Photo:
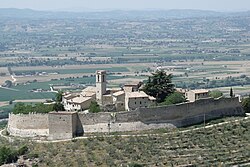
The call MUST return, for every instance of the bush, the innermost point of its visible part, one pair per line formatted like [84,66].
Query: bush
[94,107]
[3,124]
[21,108]
[246,104]
[135,165]
[33,155]
[58,107]
[174,98]
[215,94]
[22,150]
[8,155]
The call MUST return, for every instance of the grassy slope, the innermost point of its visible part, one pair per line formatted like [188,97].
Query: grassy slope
[226,144]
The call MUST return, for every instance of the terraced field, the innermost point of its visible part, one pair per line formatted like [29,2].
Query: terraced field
[223,145]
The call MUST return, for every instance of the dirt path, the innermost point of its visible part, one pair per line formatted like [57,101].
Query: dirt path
[31,101]
[4,103]
[13,78]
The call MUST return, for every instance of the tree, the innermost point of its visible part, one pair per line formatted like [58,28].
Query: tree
[231,92]
[246,104]
[7,83]
[10,155]
[159,85]
[215,94]
[7,155]
[58,107]
[94,107]
[21,108]
[59,96]
[175,98]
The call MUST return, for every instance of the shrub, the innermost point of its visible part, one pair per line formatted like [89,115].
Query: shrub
[174,98]
[94,107]
[215,94]
[246,104]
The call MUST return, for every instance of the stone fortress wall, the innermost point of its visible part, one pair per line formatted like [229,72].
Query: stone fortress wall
[161,117]
[28,125]
[61,125]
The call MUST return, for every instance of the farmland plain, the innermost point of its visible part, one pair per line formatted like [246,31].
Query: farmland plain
[202,52]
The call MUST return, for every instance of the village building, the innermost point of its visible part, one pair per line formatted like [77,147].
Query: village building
[134,100]
[116,99]
[194,95]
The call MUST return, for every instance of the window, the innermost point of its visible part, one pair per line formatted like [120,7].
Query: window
[135,102]
[103,78]
[140,102]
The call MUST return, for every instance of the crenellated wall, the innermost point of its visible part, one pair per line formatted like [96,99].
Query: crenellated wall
[67,125]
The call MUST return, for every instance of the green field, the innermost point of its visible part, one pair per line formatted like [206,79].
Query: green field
[23,91]
[7,95]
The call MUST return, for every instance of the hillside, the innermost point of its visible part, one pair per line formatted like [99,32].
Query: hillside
[225,145]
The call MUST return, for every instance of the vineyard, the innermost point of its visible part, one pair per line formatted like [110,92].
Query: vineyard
[222,145]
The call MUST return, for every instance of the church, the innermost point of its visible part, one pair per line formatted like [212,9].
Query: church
[127,98]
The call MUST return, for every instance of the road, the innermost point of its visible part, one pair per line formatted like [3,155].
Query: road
[13,78]
[1,120]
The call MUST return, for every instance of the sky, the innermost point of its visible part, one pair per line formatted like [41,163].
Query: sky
[82,5]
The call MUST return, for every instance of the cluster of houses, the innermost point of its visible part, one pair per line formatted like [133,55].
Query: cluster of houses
[128,98]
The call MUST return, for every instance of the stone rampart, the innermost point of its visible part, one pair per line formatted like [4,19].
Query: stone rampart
[94,118]
[60,125]
[193,112]
[164,116]
[29,125]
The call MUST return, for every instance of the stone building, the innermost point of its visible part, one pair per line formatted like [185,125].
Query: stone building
[116,99]
[78,103]
[134,100]
[194,95]
[100,86]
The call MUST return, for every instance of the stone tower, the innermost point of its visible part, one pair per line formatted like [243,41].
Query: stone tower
[101,77]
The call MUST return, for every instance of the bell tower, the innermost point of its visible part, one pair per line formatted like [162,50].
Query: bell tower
[101,77]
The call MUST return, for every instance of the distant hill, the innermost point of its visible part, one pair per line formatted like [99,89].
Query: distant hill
[115,14]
